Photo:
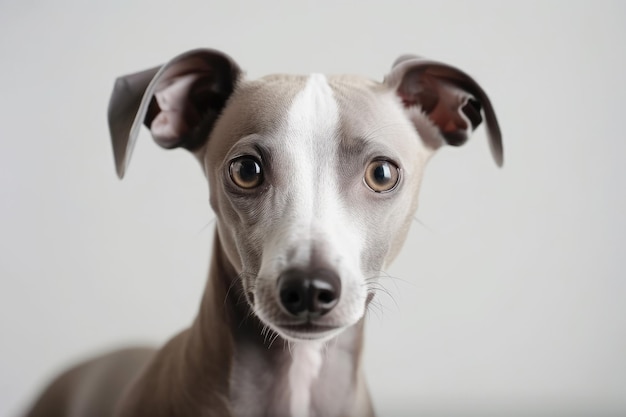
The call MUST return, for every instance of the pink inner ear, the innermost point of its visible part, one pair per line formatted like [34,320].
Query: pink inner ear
[168,127]
[441,102]
[177,114]
[447,113]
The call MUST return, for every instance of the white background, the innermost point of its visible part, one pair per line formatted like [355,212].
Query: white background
[511,295]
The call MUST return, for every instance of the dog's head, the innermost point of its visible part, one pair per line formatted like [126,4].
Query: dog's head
[314,179]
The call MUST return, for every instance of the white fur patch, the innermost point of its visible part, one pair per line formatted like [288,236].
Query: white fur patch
[305,368]
[312,125]
[314,110]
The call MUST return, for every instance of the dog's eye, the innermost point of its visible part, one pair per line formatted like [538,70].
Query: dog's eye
[381,175]
[246,172]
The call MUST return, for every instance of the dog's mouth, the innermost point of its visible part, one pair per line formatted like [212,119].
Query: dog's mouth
[307,330]
[299,329]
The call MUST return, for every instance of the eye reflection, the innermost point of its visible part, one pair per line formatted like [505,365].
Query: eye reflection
[381,175]
[246,172]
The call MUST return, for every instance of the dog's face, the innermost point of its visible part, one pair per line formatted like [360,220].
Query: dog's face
[313,173]
[313,179]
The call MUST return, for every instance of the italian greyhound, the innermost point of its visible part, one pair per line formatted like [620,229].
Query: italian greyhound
[314,182]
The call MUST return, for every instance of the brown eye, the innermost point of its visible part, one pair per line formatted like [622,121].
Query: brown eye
[381,176]
[246,172]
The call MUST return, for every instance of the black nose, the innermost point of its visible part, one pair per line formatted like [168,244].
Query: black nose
[309,293]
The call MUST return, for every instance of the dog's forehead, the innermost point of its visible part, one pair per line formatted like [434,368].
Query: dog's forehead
[263,107]
[267,101]
[368,109]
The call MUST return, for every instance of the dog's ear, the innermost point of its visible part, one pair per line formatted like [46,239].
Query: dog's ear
[179,102]
[444,103]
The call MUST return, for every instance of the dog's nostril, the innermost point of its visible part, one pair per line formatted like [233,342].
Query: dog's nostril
[326,296]
[290,297]
[324,293]
[313,294]
[293,294]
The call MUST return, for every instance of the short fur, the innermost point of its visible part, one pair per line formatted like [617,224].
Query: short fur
[314,137]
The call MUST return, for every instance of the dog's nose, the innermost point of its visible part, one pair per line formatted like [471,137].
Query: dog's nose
[309,293]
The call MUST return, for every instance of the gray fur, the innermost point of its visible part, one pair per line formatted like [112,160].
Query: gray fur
[235,359]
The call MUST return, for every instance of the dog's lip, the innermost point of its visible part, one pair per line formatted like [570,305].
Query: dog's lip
[307,326]
[307,329]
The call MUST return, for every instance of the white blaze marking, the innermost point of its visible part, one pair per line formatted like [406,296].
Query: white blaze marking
[305,368]
[310,147]
[312,124]
[314,109]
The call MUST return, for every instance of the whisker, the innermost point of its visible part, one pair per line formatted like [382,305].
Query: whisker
[266,333]
[206,226]
[386,275]
[376,307]
[372,283]
[421,223]
[273,339]
[389,294]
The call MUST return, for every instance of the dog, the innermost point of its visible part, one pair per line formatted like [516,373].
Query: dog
[314,181]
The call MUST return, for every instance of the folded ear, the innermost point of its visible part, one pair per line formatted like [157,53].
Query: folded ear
[443,102]
[179,102]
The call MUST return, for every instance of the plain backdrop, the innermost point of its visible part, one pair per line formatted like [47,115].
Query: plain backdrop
[509,297]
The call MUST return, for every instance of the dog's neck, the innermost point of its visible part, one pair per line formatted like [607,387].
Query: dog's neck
[227,363]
